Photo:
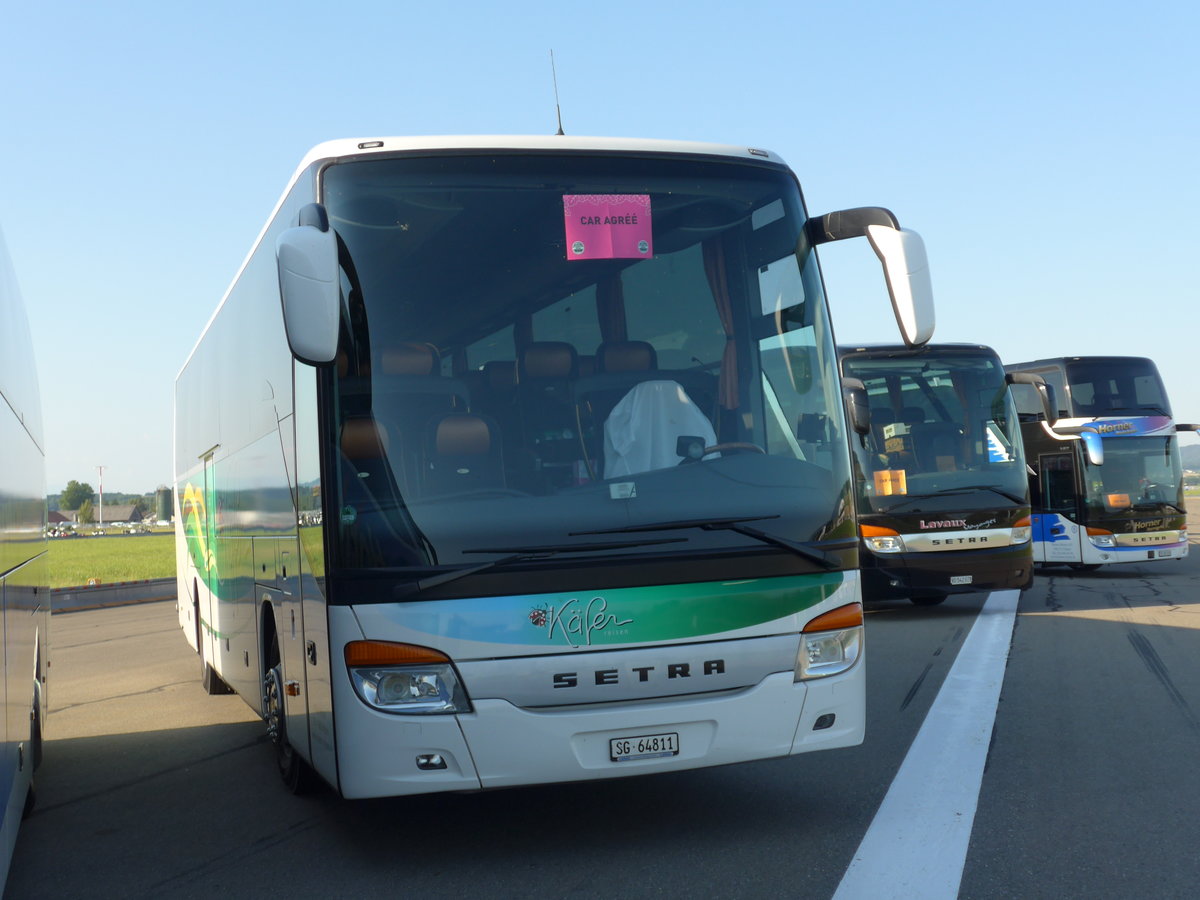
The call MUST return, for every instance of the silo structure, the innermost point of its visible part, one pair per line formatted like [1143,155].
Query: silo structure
[162,504]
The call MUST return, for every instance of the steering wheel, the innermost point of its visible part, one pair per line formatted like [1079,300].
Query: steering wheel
[741,446]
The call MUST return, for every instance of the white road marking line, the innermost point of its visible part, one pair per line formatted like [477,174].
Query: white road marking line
[917,843]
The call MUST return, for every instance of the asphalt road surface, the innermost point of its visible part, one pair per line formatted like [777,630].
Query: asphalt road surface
[1085,786]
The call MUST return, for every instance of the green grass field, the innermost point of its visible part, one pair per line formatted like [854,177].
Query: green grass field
[110,559]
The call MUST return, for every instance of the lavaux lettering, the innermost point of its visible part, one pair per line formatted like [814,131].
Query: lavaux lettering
[943,523]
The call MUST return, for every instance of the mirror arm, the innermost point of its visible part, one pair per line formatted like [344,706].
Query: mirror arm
[844,224]
[314,214]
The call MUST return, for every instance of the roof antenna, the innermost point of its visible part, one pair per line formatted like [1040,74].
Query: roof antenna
[557,109]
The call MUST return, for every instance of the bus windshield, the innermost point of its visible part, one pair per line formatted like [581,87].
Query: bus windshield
[539,346]
[1140,476]
[943,425]
[1107,386]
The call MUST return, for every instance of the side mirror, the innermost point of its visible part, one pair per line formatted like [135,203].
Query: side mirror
[1183,426]
[906,270]
[1045,392]
[902,253]
[308,287]
[858,406]
[1093,447]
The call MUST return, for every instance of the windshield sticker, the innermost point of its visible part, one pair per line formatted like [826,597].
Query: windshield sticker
[998,448]
[608,226]
[889,482]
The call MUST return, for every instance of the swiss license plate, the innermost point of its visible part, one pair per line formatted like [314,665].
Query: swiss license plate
[961,579]
[643,746]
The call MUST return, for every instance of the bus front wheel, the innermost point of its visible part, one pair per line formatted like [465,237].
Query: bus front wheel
[297,776]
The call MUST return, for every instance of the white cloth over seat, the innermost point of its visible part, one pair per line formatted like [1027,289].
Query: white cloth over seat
[642,431]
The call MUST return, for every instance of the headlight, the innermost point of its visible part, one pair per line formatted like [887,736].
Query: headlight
[1101,538]
[403,678]
[831,643]
[881,540]
[1022,531]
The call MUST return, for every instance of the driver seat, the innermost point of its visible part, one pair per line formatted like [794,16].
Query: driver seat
[462,453]
[642,432]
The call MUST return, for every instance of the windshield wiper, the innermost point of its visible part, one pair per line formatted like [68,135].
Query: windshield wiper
[1154,505]
[517,554]
[945,492]
[809,552]
[1003,493]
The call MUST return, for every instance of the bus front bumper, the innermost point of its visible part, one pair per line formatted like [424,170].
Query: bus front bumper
[900,576]
[502,745]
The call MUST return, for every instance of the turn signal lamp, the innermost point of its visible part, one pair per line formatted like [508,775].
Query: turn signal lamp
[387,653]
[405,678]
[831,643]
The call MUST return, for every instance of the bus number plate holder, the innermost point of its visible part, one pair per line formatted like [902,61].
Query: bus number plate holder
[961,579]
[643,746]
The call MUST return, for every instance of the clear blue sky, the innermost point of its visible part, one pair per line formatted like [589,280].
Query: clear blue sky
[1047,152]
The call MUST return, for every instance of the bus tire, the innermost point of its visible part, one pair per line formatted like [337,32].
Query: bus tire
[35,727]
[927,599]
[35,749]
[298,777]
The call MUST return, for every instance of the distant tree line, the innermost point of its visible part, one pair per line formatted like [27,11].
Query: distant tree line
[77,493]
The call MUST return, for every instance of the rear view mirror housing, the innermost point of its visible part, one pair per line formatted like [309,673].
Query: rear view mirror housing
[906,271]
[858,405]
[902,254]
[1045,392]
[1093,447]
[307,258]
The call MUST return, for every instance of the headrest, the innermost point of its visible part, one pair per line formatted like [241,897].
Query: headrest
[626,356]
[549,359]
[500,374]
[456,435]
[912,415]
[362,438]
[410,358]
